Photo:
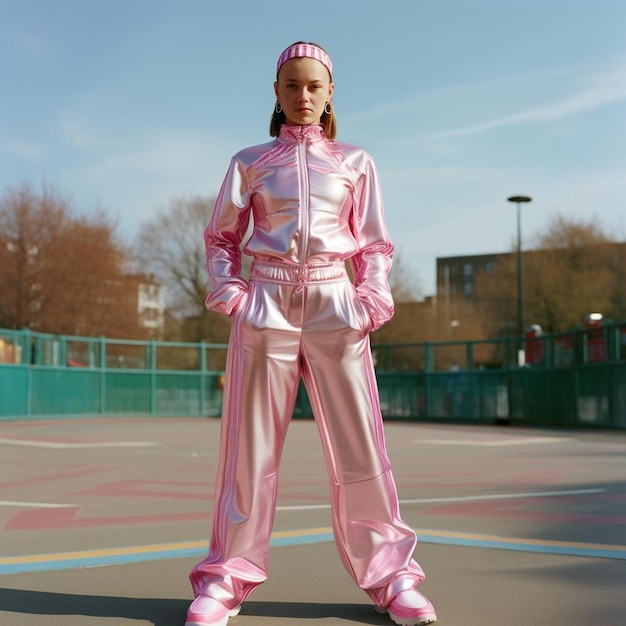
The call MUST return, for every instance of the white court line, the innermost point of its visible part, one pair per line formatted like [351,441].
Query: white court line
[309,507]
[494,444]
[497,496]
[59,445]
[506,496]
[36,505]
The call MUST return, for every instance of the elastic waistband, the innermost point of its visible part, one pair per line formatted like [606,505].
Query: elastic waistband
[313,273]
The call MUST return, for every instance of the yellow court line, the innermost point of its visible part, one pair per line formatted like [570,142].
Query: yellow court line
[155,547]
[198,545]
[518,540]
[90,554]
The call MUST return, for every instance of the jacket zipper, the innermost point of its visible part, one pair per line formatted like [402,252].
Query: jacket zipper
[304,200]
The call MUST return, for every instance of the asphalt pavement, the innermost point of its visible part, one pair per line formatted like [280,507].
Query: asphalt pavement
[102,519]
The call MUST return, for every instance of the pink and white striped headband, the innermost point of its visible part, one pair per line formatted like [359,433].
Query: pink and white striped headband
[304,50]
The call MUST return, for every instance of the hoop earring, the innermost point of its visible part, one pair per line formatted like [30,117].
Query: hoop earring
[328,108]
[278,108]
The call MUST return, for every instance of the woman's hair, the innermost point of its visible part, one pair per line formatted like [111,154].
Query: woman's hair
[328,120]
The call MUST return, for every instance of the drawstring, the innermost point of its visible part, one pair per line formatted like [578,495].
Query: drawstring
[301,277]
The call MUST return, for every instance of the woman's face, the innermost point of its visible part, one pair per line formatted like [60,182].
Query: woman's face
[303,88]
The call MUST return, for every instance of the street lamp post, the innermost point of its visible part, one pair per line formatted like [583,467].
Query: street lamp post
[518,200]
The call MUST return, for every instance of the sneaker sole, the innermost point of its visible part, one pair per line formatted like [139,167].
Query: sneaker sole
[403,621]
[230,613]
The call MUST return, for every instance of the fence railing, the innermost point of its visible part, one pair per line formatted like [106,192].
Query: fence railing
[576,378]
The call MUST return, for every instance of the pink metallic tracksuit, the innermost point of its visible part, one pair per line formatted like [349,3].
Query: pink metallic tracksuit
[315,203]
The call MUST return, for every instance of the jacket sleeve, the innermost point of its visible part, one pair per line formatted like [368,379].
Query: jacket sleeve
[222,239]
[372,262]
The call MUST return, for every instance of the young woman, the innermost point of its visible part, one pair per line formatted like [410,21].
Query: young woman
[315,203]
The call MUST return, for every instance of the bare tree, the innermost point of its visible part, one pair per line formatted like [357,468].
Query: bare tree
[172,248]
[404,284]
[571,274]
[58,272]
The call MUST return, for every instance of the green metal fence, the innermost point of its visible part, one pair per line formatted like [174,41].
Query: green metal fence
[572,379]
[46,375]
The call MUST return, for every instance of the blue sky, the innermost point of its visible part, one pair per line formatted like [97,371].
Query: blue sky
[126,104]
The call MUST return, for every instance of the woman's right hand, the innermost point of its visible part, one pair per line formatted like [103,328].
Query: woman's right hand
[226,297]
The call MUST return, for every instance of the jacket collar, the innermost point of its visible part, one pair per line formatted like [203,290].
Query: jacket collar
[310,133]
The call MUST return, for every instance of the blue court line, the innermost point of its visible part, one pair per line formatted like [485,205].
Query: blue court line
[599,551]
[198,549]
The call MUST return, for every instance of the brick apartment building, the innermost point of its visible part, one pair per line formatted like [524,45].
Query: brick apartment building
[458,276]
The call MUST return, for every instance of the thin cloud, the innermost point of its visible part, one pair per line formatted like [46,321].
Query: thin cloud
[168,155]
[394,108]
[24,42]
[454,92]
[605,88]
[437,175]
[77,132]
[28,151]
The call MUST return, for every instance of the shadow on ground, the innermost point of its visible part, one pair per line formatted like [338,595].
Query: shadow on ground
[171,612]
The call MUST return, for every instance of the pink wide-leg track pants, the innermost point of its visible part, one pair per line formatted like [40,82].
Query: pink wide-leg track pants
[304,321]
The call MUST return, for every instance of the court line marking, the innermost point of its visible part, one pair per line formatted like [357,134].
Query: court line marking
[496,496]
[59,445]
[36,505]
[312,507]
[198,549]
[495,443]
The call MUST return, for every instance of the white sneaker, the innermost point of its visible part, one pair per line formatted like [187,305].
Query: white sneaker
[410,608]
[207,611]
